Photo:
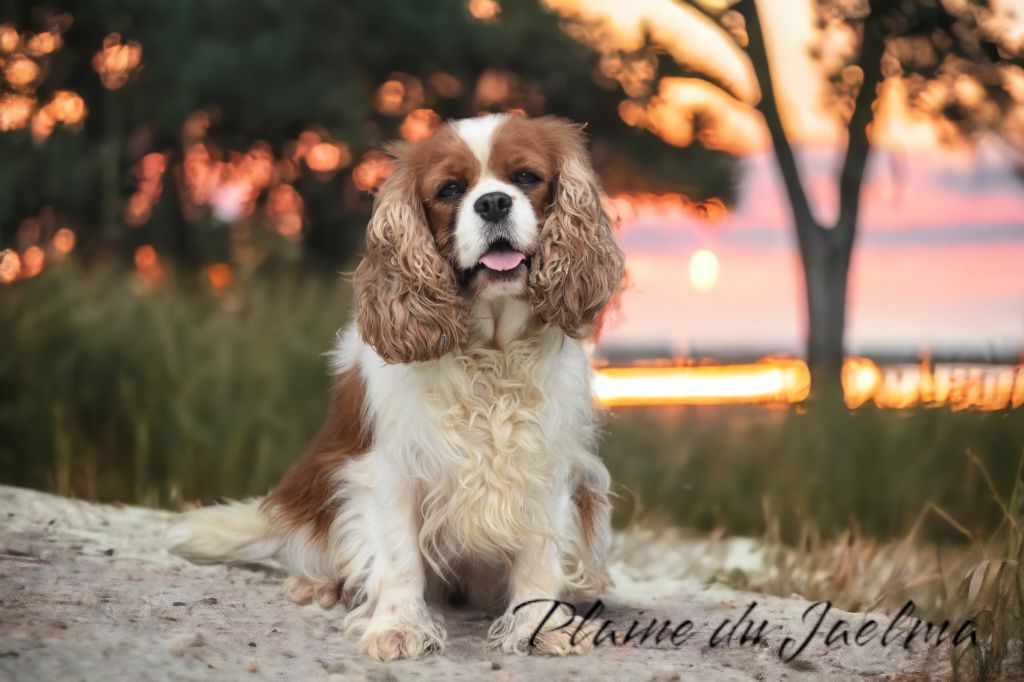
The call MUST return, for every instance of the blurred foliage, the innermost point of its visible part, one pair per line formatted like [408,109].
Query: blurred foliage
[267,71]
[111,389]
[114,390]
[744,468]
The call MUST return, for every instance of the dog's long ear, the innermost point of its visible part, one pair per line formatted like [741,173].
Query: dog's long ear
[578,266]
[407,305]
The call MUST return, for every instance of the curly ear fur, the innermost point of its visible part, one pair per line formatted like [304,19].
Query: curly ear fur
[407,305]
[578,266]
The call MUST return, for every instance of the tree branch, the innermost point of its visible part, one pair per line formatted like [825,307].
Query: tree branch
[858,145]
[758,54]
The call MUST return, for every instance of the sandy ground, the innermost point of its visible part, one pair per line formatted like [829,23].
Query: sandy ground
[88,593]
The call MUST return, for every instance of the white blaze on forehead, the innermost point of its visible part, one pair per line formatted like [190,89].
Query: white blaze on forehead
[477,134]
[473,236]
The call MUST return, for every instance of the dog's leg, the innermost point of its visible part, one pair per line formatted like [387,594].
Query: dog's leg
[589,535]
[401,625]
[537,575]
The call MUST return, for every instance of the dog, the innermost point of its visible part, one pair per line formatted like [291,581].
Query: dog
[458,457]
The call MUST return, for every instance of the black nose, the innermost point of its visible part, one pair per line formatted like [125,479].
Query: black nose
[493,206]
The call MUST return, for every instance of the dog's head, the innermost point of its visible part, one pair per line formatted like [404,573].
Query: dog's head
[486,207]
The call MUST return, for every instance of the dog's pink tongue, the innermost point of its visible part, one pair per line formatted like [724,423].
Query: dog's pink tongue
[501,259]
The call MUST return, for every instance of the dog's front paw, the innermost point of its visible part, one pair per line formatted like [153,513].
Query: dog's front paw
[402,632]
[517,633]
[575,638]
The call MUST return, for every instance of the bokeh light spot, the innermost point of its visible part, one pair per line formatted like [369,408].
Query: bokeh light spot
[10,266]
[20,71]
[703,270]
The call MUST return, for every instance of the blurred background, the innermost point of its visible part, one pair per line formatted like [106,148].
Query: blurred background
[821,203]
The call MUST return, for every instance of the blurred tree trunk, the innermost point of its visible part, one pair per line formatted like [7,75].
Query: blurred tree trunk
[825,250]
[826,269]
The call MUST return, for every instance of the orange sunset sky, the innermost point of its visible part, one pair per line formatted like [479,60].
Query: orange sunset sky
[940,257]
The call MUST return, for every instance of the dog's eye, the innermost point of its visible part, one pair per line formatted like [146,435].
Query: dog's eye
[525,178]
[450,190]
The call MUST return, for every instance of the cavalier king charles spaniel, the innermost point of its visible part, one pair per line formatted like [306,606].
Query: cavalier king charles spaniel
[458,459]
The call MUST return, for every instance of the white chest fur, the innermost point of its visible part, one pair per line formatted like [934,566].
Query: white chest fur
[487,471]
[486,433]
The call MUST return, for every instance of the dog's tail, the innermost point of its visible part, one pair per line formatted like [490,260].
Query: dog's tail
[237,532]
